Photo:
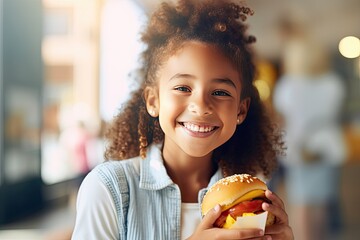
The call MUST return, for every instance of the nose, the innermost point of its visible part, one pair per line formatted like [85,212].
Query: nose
[200,105]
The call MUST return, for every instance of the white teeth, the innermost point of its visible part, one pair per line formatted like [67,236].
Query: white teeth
[197,128]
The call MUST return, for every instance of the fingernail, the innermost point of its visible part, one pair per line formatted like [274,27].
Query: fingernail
[261,233]
[217,208]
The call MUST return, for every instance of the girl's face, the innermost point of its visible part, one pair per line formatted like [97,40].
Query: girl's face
[197,100]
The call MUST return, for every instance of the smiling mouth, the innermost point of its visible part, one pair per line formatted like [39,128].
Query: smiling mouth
[198,128]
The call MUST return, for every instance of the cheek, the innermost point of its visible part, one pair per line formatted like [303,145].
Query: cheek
[228,110]
[229,116]
[170,105]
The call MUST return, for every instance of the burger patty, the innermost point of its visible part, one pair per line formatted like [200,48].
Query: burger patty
[251,206]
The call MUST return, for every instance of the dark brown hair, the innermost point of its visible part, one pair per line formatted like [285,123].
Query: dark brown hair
[254,146]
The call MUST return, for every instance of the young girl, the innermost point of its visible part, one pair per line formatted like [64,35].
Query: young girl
[196,118]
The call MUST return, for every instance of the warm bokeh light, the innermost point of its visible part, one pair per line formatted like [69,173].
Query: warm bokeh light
[263,88]
[349,47]
[265,79]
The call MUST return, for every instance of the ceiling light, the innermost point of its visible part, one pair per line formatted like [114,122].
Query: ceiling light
[349,47]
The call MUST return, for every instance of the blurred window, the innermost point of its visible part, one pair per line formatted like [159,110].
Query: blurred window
[70,143]
[120,49]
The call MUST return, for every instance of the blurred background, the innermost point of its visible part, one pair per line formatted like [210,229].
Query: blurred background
[67,65]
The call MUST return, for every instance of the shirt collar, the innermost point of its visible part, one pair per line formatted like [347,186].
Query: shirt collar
[153,175]
[216,177]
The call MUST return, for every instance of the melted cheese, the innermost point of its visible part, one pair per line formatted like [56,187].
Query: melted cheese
[229,222]
[248,214]
[248,196]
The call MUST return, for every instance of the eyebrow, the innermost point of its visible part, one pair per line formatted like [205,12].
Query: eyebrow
[225,80]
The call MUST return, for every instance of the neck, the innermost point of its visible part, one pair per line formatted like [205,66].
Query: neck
[190,173]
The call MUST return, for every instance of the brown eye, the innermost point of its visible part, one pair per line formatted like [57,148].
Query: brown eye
[221,93]
[182,89]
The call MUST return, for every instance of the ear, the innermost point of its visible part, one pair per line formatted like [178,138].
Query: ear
[152,101]
[243,110]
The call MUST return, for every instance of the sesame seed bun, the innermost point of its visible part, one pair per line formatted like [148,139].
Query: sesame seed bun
[227,190]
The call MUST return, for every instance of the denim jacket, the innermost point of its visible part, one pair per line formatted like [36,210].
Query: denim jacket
[147,201]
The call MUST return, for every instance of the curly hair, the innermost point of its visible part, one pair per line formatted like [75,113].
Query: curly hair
[256,142]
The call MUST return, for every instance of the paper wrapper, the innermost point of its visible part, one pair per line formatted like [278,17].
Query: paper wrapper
[257,221]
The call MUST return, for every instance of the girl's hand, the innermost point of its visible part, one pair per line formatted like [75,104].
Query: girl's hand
[205,230]
[280,229]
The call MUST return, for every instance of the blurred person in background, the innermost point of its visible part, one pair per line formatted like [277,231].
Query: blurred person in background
[309,98]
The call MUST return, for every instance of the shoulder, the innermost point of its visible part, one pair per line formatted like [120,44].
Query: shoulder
[92,187]
[103,199]
[95,209]
[115,169]
[107,180]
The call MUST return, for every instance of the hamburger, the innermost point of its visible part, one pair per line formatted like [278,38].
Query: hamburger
[240,197]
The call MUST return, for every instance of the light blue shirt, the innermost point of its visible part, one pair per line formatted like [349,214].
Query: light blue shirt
[153,199]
